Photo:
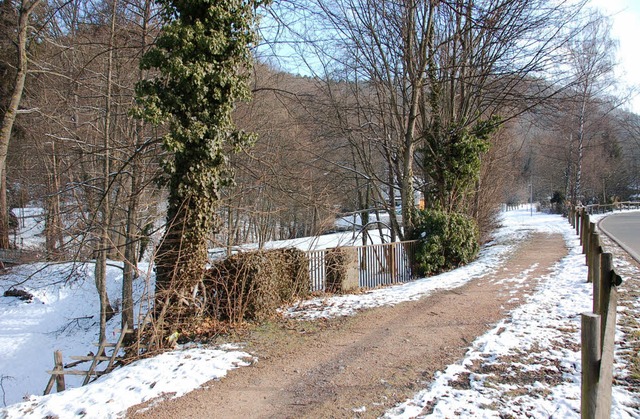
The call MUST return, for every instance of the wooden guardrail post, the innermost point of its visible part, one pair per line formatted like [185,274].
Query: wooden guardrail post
[594,266]
[585,233]
[581,227]
[570,216]
[606,266]
[588,244]
[605,372]
[608,281]
[598,337]
[591,353]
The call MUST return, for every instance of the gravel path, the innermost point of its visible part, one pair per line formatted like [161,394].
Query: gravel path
[361,366]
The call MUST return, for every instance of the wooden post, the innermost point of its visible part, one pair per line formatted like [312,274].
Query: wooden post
[569,214]
[584,233]
[578,221]
[589,243]
[606,274]
[57,375]
[583,215]
[392,263]
[57,360]
[590,335]
[594,270]
[605,375]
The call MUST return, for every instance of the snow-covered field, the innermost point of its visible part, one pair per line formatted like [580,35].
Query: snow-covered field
[542,333]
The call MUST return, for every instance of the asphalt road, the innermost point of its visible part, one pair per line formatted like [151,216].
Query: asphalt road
[625,230]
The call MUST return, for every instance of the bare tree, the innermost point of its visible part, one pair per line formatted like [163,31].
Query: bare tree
[430,83]
[22,10]
[285,188]
[591,63]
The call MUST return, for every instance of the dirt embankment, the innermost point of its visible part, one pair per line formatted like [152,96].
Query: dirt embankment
[361,366]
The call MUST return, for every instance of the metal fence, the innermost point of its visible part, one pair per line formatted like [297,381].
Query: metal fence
[317,270]
[378,264]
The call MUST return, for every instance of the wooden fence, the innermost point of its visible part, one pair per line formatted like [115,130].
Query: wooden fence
[60,370]
[598,326]
[374,265]
[604,208]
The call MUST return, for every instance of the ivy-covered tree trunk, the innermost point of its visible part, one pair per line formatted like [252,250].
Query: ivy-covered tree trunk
[201,57]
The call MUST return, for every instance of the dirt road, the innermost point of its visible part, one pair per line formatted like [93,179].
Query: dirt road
[362,365]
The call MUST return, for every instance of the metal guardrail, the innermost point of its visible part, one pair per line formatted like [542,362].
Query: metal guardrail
[377,264]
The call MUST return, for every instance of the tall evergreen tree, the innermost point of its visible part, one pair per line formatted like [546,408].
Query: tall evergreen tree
[201,58]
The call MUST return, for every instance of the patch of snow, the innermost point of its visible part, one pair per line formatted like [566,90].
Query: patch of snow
[170,374]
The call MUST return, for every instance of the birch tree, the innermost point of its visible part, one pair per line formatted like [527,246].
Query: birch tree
[591,63]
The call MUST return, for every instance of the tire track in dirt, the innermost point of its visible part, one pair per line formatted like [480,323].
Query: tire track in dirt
[361,366]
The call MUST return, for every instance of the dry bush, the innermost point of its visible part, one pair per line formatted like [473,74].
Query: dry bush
[253,285]
[499,175]
[246,286]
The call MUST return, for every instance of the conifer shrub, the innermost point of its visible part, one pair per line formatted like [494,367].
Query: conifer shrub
[445,241]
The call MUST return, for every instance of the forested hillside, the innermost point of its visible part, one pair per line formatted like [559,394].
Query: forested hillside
[357,106]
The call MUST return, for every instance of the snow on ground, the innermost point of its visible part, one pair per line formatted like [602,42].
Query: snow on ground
[31,222]
[61,316]
[344,238]
[542,334]
[510,371]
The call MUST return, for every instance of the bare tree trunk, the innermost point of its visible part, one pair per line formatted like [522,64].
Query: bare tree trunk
[568,190]
[4,218]
[395,226]
[578,185]
[6,125]
[54,241]
[131,249]
[130,257]
[106,311]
